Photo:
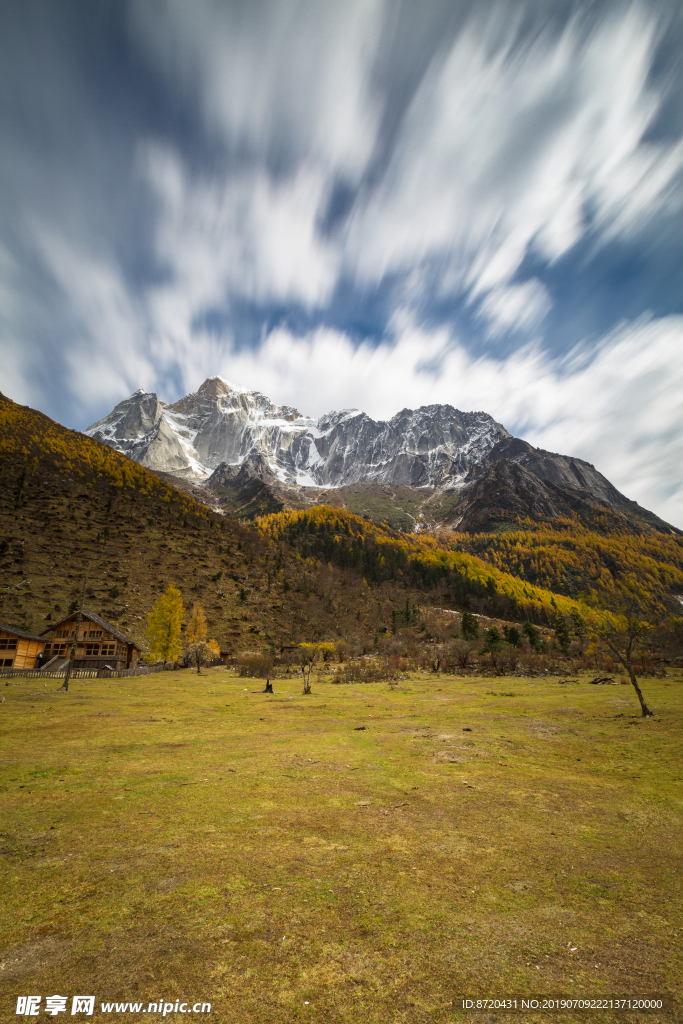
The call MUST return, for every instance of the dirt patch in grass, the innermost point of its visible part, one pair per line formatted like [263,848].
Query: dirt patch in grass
[32,957]
[296,868]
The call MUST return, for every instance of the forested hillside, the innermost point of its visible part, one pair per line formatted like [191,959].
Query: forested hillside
[70,505]
[597,565]
[422,562]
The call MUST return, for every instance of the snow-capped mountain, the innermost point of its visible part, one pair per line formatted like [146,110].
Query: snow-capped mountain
[222,424]
[245,455]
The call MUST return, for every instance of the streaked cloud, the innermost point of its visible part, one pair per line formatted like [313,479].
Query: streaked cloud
[515,307]
[363,204]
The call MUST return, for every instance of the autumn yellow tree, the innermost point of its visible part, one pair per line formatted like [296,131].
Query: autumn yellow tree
[198,649]
[165,624]
[196,628]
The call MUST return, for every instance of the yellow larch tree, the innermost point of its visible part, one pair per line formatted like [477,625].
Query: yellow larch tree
[196,628]
[199,650]
[165,625]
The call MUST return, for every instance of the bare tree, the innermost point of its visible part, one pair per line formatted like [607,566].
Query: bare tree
[623,636]
[307,658]
[72,655]
[461,651]
[342,650]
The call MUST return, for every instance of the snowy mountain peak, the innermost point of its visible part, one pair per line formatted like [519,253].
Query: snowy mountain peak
[222,423]
[219,385]
[239,388]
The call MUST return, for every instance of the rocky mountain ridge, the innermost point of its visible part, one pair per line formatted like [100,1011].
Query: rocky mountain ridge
[250,456]
[434,446]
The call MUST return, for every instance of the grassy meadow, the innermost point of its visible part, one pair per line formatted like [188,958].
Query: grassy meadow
[361,854]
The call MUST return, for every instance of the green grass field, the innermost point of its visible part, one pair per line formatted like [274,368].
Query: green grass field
[361,854]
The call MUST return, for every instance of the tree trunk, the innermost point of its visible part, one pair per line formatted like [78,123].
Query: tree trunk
[643,706]
[64,688]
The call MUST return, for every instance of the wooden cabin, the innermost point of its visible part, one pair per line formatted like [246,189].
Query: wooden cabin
[19,649]
[98,645]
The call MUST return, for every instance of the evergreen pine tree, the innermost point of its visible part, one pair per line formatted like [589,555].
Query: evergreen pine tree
[512,636]
[534,635]
[578,625]
[493,641]
[469,626]
[562,634]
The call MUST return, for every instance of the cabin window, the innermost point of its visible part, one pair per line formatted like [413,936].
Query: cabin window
[94,634]
[63,632]
[91,650]
[108,649]
[6,662]
[8,643]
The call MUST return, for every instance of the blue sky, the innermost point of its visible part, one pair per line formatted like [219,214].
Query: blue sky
[364,203]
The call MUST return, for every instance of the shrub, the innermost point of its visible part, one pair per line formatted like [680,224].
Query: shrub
[359,672]
[532,664]
[255,666]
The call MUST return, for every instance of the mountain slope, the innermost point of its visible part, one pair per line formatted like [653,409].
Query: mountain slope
[69,502]
[517,481]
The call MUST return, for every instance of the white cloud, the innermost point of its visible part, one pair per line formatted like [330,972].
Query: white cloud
[249,236]
[106,355]
[277,74]
[507,151]
[516,307]
[15,357]
[504,151]
[621,409]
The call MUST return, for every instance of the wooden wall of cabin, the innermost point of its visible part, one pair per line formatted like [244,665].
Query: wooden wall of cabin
[93,642]
[18,651]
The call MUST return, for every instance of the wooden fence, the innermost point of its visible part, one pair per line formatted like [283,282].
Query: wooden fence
[79,673]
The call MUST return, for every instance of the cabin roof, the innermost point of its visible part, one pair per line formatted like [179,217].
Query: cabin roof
[99,621]
[20,632]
